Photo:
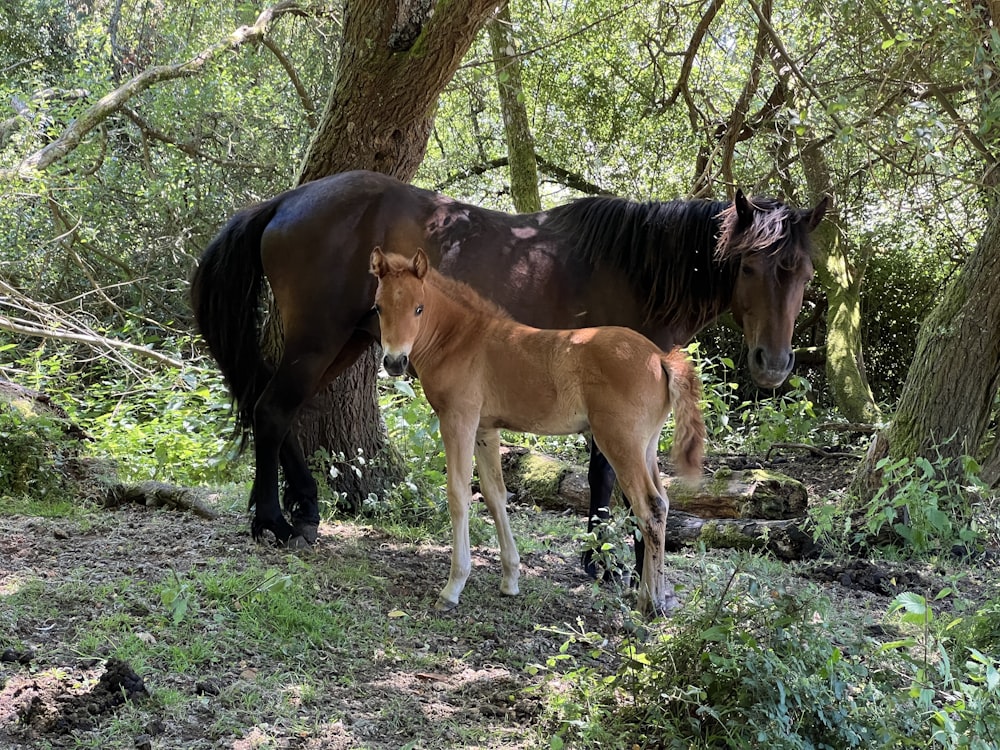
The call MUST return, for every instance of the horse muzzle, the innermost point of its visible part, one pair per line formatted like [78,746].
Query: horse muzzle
[770,369]
[395,364]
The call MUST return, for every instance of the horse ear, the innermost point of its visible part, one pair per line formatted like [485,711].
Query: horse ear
[378,262]
[744,210]
[420,263]
[814,217]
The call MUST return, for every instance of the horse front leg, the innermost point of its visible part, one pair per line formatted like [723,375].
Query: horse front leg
[495,493]
[601,478]
[459,436]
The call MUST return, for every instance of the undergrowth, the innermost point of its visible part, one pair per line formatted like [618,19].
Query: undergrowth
[748,662]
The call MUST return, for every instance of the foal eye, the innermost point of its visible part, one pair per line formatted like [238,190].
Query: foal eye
[420,309]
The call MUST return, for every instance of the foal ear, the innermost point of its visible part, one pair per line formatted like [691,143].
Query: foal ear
[420,263]
[814,217]
[377,267]
[744,210]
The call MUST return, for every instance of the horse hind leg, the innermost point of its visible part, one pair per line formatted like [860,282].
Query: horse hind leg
[495,493]
[301,498]
[294,381]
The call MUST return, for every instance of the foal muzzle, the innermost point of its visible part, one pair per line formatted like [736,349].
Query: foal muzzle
[395,364]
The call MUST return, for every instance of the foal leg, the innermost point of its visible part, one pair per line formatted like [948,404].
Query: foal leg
[629,457]
[459,436]
[491,481]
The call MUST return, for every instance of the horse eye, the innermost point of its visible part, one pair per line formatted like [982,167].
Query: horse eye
[746,270]
[420,309]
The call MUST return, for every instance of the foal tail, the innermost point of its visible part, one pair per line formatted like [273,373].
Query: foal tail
[689,426]
[225,297]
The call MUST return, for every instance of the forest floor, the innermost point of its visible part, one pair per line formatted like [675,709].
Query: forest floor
[141,628]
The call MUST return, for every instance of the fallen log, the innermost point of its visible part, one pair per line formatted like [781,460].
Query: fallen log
[755,493]
[154,494]
[786,539]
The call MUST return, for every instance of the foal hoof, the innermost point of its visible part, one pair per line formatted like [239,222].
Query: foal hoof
[443,605]
[308,531]
[666,608]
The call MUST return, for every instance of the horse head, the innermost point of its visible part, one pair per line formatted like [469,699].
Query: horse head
[771,242]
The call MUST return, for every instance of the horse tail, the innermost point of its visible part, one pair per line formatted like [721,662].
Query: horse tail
[684,388]
[225,297]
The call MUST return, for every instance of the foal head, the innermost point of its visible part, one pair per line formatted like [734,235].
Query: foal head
[399,302]
[772,244]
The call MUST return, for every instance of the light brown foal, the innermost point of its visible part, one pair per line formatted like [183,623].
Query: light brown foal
[483,372]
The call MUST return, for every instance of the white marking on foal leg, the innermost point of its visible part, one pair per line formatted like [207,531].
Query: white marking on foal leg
[495,494]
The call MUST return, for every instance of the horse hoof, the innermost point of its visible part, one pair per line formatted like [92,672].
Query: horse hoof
[297,542]
[443,605]
[308,531]
[589,565]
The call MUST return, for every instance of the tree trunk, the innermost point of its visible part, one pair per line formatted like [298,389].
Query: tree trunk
[841,280]
[395,59]
[752,494]
[520,144]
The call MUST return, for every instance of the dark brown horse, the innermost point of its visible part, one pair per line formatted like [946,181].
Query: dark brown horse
[663,269]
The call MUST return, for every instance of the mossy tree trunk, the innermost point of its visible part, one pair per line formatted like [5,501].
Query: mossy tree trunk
[520,143]
[395,60]
[841,281]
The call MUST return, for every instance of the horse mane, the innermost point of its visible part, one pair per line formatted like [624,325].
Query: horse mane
[681,256]
[665,251]
[776,230]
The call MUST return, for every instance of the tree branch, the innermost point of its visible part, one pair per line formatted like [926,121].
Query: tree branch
[307,103]
[115,100]
[692,49]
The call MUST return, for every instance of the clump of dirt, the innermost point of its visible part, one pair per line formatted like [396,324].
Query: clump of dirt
[875,577]
[60,702]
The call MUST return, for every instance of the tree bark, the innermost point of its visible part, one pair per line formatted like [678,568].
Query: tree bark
[520,143]
[395,59]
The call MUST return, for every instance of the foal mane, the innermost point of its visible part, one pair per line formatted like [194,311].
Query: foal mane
[455,290]
[465,295]
[681,256]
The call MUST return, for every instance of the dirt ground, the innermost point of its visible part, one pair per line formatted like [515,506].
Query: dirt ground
[50,697]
